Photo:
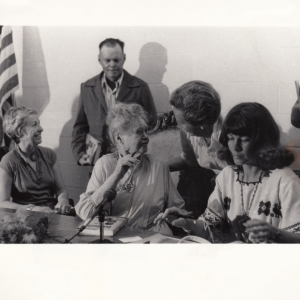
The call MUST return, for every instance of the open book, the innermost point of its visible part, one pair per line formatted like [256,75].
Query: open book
[111,226]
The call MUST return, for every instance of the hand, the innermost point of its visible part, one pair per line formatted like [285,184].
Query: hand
[63,206]
[181,222]
[125,162]
[44,209]
[260,231]
[82,160]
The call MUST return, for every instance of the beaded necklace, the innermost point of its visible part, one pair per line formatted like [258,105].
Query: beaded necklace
[38,177]
[253,196]
[245,216]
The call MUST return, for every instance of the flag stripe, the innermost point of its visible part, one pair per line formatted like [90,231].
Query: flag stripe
[7,74]
[7,51]
[8,87]
[7,63]
[9,81]
[6,40]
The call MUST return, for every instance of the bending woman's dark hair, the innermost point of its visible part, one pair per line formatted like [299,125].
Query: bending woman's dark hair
[253,120]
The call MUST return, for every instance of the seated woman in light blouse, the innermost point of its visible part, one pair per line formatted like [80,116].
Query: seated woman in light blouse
[143,182]
[29,174]
[256,198]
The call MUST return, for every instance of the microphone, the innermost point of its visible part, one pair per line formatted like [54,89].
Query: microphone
[108,196]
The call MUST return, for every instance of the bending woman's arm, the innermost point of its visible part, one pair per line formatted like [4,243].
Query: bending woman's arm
[177,164]
[193,227]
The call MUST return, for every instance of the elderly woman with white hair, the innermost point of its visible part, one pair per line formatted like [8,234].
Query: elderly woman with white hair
[29,174]
[143,182]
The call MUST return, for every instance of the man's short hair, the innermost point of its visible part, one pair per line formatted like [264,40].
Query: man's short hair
[199,102]
[111,43]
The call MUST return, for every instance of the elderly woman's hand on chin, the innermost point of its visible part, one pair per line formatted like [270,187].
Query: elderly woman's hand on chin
[124,163]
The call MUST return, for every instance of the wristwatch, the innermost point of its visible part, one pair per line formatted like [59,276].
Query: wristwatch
[30,207]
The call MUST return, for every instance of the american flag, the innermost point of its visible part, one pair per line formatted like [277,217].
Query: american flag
[9,81]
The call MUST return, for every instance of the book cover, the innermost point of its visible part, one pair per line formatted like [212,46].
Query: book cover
[111,226]
[93,149]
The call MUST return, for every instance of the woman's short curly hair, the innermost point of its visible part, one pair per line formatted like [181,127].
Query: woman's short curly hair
[253,120]
[199,102]
[125,118]
[14,121]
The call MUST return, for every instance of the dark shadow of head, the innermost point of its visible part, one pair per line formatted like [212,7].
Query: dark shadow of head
[153,60]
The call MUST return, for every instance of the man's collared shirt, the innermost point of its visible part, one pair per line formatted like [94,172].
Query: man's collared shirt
[109,94]
[196,151]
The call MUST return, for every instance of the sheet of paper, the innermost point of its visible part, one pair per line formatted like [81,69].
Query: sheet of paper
[158,239]
[130,239]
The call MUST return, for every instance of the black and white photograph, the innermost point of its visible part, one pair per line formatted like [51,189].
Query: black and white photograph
[132,124]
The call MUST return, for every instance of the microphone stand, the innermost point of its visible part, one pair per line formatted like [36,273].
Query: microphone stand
[101,216]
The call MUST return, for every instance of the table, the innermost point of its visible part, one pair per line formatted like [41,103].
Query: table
[64,227]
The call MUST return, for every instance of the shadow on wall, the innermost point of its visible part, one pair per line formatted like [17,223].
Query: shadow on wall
[153,60]
[75,177]
[36,92]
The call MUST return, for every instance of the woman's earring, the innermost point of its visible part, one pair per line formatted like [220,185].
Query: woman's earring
[202,127]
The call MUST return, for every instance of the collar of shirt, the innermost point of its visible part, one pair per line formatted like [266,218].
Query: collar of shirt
[106,87]
[215,145]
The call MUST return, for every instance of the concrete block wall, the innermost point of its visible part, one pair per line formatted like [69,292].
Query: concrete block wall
[243,64]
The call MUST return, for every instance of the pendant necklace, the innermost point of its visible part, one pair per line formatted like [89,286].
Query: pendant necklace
[33,156]
[38,176]
[128,184]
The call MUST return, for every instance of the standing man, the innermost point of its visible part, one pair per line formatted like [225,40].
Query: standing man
[99,93]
